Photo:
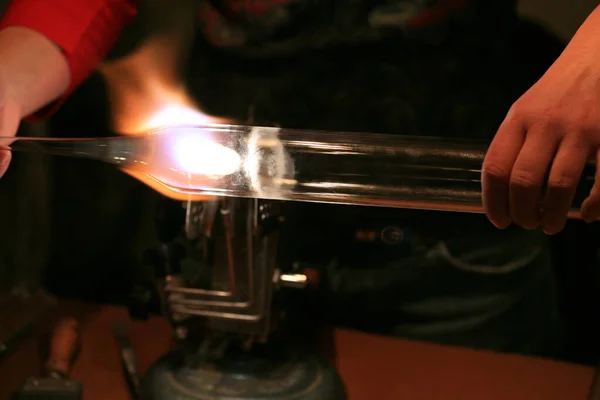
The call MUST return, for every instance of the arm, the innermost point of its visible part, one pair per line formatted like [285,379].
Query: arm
[48,47]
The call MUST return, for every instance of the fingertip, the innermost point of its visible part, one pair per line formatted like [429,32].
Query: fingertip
[5,157]
[553,229]
[556,213]
[495,176]
[590,211]
[500,223]
[495,200]
[498,215]
[589,214]
[590,217]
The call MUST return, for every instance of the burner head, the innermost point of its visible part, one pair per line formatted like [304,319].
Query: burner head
[266,372]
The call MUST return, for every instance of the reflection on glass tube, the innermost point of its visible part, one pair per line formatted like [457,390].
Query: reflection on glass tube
[283,164]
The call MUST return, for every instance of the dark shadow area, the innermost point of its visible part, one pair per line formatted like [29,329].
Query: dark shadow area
[102,216]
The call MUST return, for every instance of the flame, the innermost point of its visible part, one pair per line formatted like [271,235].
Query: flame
[201,156]
[145,92]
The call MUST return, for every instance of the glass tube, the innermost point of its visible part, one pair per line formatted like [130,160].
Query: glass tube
[284,164]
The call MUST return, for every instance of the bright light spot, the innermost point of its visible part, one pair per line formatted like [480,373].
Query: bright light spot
[173,115]
[194,153]
[198,155]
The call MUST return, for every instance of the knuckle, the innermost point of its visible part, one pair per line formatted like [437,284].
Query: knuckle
[548,119]
[555,123]
[559,124]
[524,180]
[562,183]
[594,194]
[589,131]
[551,125]
[519,111]
[496,170]
[576,125]
[587,112]
[586,125]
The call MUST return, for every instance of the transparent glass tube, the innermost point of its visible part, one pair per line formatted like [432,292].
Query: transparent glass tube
[284,164]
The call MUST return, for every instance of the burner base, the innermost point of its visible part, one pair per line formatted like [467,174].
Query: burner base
[266,373]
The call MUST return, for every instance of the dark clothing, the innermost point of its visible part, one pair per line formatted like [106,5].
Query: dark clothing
[452,278]
[274,28]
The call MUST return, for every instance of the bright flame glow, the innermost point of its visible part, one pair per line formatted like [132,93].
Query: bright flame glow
[199,155]
[146,93]
[173,114]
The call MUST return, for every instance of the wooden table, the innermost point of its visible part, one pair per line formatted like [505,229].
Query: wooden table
[372,367]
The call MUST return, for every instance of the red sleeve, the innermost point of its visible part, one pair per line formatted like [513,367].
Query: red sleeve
[85,30]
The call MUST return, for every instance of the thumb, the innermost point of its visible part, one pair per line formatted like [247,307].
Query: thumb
[5,157]
[10,117]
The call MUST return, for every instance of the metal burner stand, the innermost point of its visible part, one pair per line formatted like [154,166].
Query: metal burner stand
[221,289]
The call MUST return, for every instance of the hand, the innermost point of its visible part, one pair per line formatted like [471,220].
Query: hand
[554,128]
[10,117]
[33,72]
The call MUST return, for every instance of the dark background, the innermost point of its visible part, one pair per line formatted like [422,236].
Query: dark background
[79,228]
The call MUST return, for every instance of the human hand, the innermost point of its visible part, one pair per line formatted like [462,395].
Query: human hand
[10,118]
[547,137]
[33,73]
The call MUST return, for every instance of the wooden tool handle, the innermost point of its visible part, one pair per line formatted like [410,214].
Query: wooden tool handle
[64,345]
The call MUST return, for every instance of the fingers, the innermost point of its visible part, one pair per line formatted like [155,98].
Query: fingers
[528,177]
[590,209]
[5,157]
[497,168]
[514,173]
[564,177]
[10,117]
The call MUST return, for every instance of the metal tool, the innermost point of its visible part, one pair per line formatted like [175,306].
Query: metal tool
[57,385]
[284,164]
[121,332]
[228,309]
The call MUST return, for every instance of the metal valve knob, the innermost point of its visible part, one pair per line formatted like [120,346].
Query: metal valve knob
[307,279]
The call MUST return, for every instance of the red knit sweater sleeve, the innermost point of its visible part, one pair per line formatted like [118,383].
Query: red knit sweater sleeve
[85,30]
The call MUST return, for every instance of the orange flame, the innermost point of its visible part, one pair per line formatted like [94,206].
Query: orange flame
[146,92]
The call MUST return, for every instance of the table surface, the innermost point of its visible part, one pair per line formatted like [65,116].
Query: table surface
[371,366]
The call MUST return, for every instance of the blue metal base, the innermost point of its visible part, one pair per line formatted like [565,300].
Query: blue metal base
[265,373]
